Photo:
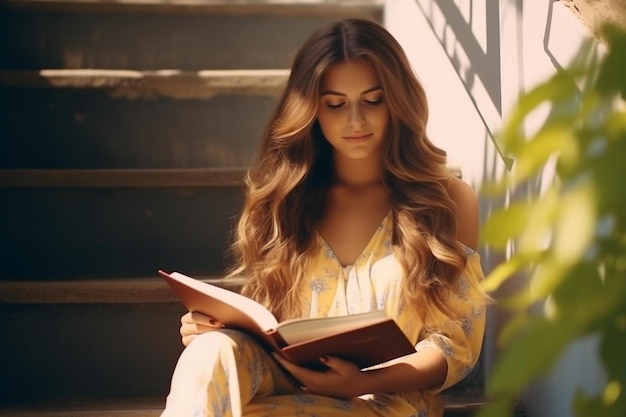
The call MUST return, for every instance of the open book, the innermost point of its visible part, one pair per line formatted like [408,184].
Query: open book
[365,339]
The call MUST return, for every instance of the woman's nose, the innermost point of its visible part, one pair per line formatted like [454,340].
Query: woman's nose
[356,117]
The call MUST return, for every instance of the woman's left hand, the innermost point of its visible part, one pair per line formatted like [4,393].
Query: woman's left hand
[341,379]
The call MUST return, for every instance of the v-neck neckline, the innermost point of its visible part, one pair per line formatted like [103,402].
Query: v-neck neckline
[365,249]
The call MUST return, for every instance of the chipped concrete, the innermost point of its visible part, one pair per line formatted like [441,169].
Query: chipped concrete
[596,13]
[151,84]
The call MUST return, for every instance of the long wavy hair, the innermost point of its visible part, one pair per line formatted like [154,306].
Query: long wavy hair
[288,182]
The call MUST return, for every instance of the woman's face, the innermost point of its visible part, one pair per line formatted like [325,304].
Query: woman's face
[352,111]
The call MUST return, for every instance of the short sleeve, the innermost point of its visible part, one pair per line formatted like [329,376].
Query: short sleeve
[460,342]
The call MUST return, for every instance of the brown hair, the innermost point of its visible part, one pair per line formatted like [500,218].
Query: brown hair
[287,184]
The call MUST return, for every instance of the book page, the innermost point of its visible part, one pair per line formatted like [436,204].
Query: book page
[300,330]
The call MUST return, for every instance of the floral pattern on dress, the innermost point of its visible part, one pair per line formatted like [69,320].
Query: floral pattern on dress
[215,364]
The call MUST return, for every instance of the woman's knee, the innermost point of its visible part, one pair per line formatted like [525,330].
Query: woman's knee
[220,339]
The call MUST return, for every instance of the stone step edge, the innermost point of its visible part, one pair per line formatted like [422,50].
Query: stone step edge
[122,178]
[99,291]
[170,83]
[140,412]
[122,407]
[362,8]
[152,408]
[130,178]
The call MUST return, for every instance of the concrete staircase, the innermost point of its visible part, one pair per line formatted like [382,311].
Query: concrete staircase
[126,127]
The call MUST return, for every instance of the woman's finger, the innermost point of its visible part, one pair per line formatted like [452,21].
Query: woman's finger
[200,319]
[195,328]
[188,338]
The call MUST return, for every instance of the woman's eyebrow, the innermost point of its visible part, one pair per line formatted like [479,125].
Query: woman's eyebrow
[337,93]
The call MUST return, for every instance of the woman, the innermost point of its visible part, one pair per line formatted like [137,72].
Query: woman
[349,207]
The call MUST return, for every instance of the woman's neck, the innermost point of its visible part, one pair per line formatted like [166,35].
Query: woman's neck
[358,173]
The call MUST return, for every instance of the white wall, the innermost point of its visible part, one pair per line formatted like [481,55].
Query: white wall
[474,58]
[454,123]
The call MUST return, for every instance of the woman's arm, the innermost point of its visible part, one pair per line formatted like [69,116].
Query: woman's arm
[467,212]
[421,370]
[441,358]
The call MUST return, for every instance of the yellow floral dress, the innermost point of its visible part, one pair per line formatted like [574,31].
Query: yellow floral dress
[226,373]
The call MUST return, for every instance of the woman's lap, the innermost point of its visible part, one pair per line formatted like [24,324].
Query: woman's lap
[226,373]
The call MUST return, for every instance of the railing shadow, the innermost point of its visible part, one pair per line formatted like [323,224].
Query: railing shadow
[474,59]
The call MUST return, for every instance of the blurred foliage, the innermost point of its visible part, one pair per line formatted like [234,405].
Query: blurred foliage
[567,237]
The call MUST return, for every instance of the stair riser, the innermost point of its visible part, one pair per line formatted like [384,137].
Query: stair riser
[59,353]
[72,128]
[64,354]
[187,41]
[52,234]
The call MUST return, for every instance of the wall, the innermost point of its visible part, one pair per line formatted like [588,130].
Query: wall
[474,59]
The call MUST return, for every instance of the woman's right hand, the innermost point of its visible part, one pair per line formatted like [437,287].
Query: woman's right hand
[194,324]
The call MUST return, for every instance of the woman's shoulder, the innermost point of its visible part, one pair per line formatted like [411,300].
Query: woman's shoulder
[467,211]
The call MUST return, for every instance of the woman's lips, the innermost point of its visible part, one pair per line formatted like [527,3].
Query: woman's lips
[357,138]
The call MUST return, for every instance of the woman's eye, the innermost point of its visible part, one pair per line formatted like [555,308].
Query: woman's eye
[376,102]
[333,106]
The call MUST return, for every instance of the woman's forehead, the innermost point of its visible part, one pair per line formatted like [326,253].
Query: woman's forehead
[350,77]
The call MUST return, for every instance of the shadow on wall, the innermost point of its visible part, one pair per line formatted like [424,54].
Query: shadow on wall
[471,38]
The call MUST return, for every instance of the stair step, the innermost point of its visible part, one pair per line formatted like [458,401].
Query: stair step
[139,412]
[91,233]
[128,178]
[119,408]
[121,178]
[153,35]
[77,128]
[124,343]
[171,119]
[66,353]
[151,84]
[454,407]
[100,291]
[365,8]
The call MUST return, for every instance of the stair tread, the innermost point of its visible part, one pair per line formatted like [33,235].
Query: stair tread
[116,178]
[153,407]
[171,83]
[102,408]
[285,7]
[138,412]
[119,290]
[132,177]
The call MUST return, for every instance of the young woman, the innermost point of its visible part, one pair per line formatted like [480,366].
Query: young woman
[349,208]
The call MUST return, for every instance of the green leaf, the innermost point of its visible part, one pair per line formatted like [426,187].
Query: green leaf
[531,355]
[544,279]
[611,77]
[586,406]
[557,89]
[537,231]
[552,139]
[574,228]
[572,239]
[612,349]
[611,403]
[502,272]
[513,327]
[505,224]
[615,125]
[576,298]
